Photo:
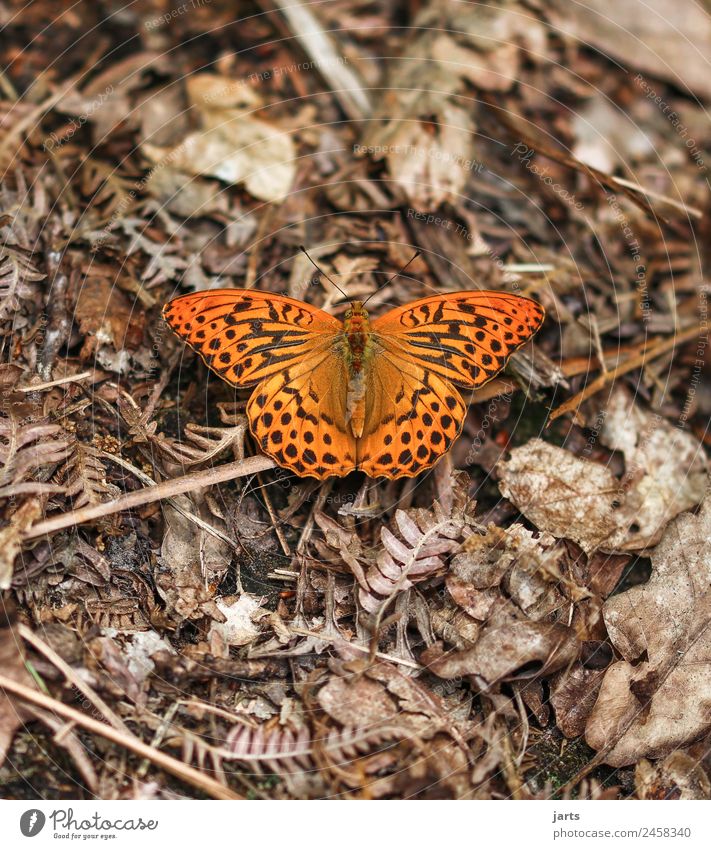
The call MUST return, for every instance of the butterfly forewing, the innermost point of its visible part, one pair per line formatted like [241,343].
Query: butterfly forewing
[465,337]
[246,336]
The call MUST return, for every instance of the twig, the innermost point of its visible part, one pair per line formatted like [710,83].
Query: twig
[128,741]
[690,210]
[600,382]
[71,378]
[192,517]
[319,47]
[149,494]
[391,658]
[72,677]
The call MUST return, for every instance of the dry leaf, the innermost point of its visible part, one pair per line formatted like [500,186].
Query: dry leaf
[574,498]
[513,651]
[652,707]
[232,144]
[238,629]
[678,776]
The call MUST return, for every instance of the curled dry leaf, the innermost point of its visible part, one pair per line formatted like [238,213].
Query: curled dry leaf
[573,695]
[678,776]
[526,563]
[578,499]
[508,652]
[106,317]
[192,560]
[650,708]
[232,144]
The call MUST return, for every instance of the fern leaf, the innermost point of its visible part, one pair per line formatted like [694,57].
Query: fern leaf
[84,477]
[417,554]
[17,278]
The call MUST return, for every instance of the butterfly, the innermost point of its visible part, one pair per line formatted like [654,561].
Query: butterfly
[332,397]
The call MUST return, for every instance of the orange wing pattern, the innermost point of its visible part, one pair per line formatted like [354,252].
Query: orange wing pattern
[297,354]
[244,335]
[298,417]
[425,349]
[464,337]
[412,420]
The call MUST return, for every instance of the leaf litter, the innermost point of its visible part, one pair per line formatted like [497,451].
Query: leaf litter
[528,620]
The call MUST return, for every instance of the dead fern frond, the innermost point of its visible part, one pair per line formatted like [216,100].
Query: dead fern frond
[84,477]
[28,450]
[18,276]
[284,750]
[418,553]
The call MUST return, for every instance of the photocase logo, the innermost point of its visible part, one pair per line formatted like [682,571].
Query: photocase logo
[32,822]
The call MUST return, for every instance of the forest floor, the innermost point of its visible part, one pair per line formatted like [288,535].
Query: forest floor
[184,618]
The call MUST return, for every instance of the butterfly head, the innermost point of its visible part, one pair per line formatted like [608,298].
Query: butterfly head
[355,319]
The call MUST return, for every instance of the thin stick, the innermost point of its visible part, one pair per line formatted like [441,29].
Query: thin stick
[149,494]
[72,677]
[128,741]
[632,363]
[71,378]
[148,480]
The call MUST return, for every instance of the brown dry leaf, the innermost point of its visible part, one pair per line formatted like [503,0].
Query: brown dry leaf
[106,317]
[573,695]
[527,564]
[231,144]
[652,707]
[426,132]
[678,776]
[508,652]
[578,499]
[655,36]
[564,495]
[665,467]
[358,702]
[193,560]
[13,666]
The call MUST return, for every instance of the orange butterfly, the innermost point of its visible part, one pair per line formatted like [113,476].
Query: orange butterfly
[334,397]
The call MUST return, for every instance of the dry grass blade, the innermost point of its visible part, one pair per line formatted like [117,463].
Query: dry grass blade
[150,494]
[201,782]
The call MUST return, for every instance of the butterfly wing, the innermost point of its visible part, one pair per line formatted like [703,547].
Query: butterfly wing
[464,337]
[289,348]
[246,336]
[412,418]
[298,417]
[424,349]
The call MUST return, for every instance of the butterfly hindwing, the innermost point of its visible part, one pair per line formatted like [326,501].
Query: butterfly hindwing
[298,417]
[244,335]
[464,337]
[412,420]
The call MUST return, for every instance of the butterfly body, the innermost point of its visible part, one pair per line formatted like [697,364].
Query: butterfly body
[359,348]
[333,397]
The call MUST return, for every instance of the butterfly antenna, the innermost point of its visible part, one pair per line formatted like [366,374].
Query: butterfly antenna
[320,271]
[397,274]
